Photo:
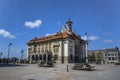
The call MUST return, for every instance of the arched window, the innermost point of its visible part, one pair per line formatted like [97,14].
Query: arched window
[36,57]
[49,57]
[76,59]
[40,57]
[33,58]
[44,57]
[71,57]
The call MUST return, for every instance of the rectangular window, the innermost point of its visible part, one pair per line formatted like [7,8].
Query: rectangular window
[108,54]
[38,49]
[112,58]
[109,58]
[115,54]
[105,58]
[35,49]
[105,54]
[49,46]
[71,50]
[112,54]
[115,58]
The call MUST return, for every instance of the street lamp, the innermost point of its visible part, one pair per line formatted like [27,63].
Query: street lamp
[62,58]
[1,55]
[86,47]
[10,44]
[22,51]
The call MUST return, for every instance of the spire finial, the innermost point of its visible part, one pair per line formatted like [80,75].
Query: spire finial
[69,24]
[69,21]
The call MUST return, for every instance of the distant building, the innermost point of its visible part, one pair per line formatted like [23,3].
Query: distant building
[95,56]
[110,55]
[63,47]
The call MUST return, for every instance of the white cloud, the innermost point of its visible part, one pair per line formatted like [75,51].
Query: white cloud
[35,24]
[90,38]
[83,37]
[108,34]
[93,38]
[107,41]
[6,34]
[47,34]
[50,34]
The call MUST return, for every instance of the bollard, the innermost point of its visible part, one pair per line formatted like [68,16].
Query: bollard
[67,68]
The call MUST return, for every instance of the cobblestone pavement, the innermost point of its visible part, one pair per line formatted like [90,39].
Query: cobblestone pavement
[59,72]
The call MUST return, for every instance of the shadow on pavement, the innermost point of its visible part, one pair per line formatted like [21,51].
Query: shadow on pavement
[11,65]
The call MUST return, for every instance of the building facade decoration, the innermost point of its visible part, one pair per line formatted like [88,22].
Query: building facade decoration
[63,47]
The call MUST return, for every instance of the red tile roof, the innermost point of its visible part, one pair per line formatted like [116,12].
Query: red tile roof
[54,37]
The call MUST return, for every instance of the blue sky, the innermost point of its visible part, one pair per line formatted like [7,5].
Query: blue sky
[22,20]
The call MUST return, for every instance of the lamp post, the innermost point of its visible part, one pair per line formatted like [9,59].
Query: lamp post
[1,55]
[86,47]
[62,57]
[22,51]
[10,44]
[21,58]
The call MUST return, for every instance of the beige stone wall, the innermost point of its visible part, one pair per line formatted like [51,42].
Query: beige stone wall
[42,46]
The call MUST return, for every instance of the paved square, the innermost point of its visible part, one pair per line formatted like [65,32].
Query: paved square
[59,72]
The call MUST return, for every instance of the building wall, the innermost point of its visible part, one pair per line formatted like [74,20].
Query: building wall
[111,57]
[44,48]
[96,56]
[66,47]
[71,49]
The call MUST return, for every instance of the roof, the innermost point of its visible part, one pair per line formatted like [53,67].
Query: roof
[60,35]
[116,49]
[112,49]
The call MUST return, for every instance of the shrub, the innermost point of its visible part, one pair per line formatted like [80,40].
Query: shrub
[87,65]
[117,63]
[26,62]
[41,63]
[78,66]
[82,66]
[45,64]
[50,63]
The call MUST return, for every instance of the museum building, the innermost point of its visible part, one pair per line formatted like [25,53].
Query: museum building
[65,46]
